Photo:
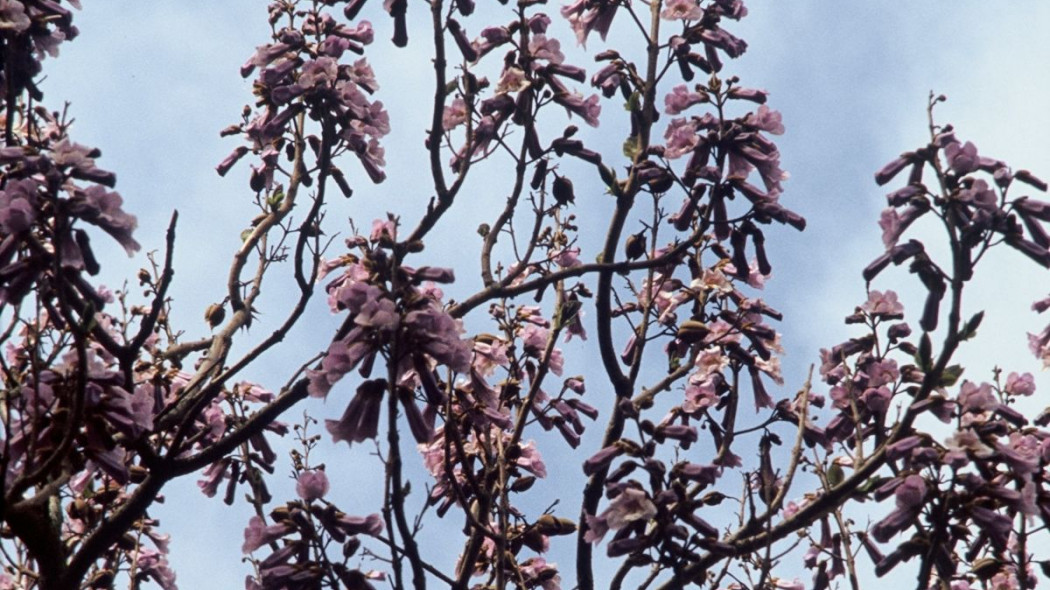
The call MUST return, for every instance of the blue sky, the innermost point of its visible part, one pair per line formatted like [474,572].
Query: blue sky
[152,83]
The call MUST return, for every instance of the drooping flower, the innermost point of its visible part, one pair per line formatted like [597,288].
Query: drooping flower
[962,158]
[257,534]
[632,505]
[454,114]
[360,421]
[312,485]
[767,120]
[589,15]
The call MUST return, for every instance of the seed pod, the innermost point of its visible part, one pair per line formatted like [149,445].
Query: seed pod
[634,248]
[563,191]
[215,314]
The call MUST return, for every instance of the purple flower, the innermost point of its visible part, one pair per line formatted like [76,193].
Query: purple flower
[977,398]
[1020,384]
[213,476]
[355,525]
[312,485]
[877,399]
[491,38]
[590,15]
[997,526]
[680,99]
[531,461]
[153,564]
[379,314]
[543,48]
[681,138]
[893,168]
[100,207]
[630,506]
[588,108]
[342,357]
[752,94]
[962,158]
[883,305]
[567,257]
[979,195]
[894,224]
[13,17]
[602,459]
[436,333]
[767,120]
[263,56]
[705,475]
[607,79]
[455,114]
[911,492]
[681,10]
[360,421]
[882,372]
[258,534]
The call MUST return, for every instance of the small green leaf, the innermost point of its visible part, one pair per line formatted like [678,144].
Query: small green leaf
[871,485]
[951,375]
[970,329]
[631,147]
[634,102]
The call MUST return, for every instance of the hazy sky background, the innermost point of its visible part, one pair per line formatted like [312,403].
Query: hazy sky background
[152,83]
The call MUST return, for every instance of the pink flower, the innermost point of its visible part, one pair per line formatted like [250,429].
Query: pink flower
[543,48]
[631,505]
[882,372]
[883,305]
[911,492]
[588,15]
[258,534]
[360,421]
[1039,344]
[454,114]
[531,461]
[512,80]
[681,138]
[588,108]
[1023,384]
[962,158]
[890,222]
[383,229]
[767,120]
[681,99]
[681,10]
[312,485]
[567,257]
[977,398]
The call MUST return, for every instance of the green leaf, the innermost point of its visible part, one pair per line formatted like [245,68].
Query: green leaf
[871,485]
[951,375]
[631,147]
[970,329]
[634,102]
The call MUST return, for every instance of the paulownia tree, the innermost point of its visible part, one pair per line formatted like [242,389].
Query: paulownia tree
[702,477]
